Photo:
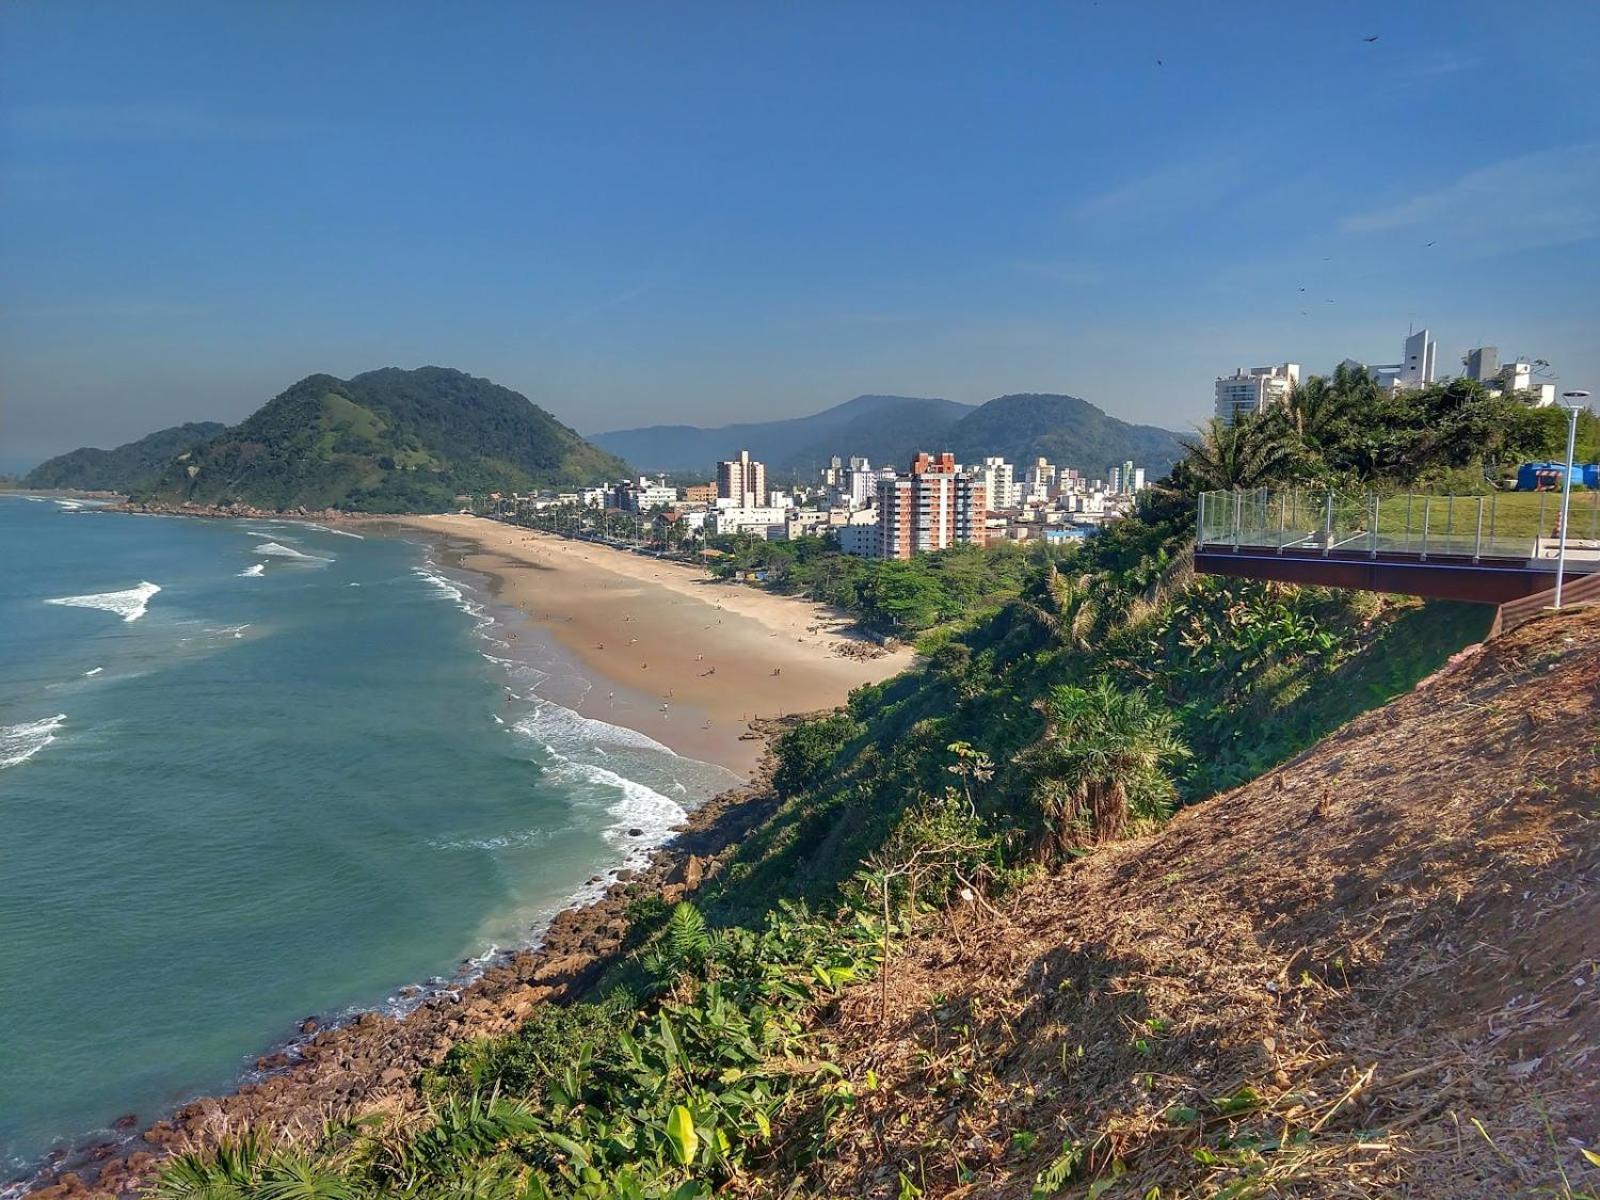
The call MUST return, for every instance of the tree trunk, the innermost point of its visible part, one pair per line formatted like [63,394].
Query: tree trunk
[1110,801]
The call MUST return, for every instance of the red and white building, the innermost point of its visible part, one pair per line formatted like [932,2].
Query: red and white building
[931,508]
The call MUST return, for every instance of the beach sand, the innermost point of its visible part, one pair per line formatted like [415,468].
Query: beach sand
[683,658]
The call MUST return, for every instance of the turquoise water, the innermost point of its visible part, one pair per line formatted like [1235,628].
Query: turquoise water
[255,771]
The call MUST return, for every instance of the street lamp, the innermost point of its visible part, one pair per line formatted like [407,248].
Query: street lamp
[1576,401]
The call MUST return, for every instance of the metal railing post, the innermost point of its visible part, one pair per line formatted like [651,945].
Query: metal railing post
[1477,542]
[1200,522]
[1427,511]
[1327,527]
[1372,538]
[1449,521]
[1283,520]
[1409,499]
[1538,533]
[1238,518]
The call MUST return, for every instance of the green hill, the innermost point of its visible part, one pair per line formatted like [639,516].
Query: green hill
[127,468]
[1064,429]
[386,441]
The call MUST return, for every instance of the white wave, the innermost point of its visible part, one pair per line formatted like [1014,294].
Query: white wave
[254,572]
[340,532]
[279,550]
[352,585]
[129,605]
[236,630]
[95,671]
[551,723]
[70,505]
[452,591]
[637,806]
[19,743]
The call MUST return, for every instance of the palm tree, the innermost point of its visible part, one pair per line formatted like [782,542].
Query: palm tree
[1102,759]
[1248,453]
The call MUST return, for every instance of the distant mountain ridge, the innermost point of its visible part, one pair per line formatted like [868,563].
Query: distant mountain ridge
[1068,431]
[129,467]
[390,440]
[1064,429]
[870,425]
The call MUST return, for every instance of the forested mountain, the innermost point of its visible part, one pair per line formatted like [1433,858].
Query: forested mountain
[1064,429]
[876,426]
[387,441]
[889,429]
[127,468]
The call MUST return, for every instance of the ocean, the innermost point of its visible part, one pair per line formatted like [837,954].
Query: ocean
[257,771]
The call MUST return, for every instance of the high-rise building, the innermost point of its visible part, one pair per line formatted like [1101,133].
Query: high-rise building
[1417,367]
[1246,393]
[1482,363]
[743,481]
[999,481]
[931,508]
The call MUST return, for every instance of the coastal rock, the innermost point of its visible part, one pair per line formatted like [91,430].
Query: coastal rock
[309,1025]
[125,1122]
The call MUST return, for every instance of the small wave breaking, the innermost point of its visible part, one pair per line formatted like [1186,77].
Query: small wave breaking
[19,743]
[130,605]
[254,572]
[279,550]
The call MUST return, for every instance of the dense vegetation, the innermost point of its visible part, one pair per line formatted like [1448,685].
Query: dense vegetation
[890,429]
[891,597]
[1112,686]
[1345,432]
[385,441]
[127,468]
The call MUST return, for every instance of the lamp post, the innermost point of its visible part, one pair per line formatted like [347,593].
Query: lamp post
[1575,403]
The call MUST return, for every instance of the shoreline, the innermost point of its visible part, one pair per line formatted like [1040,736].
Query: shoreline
[371,1061]
[706,656]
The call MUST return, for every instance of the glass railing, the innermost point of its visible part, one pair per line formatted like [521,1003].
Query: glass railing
[1520,525]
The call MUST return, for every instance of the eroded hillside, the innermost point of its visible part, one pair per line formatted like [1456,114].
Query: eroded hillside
[1372,971]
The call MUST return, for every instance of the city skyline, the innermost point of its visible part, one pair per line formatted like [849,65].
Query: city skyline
[724,214]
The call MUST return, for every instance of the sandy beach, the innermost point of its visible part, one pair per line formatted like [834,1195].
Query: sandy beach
[686,659]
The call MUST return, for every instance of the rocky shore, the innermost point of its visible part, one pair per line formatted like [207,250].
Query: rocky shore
[372,1063]
[230,511]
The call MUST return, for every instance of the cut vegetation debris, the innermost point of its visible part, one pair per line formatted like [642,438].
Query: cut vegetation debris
[1373,971]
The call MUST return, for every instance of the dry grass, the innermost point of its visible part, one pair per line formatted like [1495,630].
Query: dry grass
[1372,972]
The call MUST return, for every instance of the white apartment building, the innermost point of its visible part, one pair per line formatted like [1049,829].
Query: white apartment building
[769,523]
[742,480]
[1039,481]
[1246,393]
[1483,364]
[999,482]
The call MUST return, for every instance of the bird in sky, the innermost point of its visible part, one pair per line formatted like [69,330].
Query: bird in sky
[1431,243]
[1373,38]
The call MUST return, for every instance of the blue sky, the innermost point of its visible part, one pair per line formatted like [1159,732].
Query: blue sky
[710,212]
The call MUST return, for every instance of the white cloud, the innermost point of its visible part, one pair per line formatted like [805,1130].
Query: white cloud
[1549,198]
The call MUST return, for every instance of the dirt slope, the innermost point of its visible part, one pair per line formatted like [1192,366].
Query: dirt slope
[1315,985]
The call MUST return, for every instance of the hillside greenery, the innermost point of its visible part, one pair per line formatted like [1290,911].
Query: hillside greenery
[129,467]
[386,441]
[890,597]
[1110,687]
[1064,429]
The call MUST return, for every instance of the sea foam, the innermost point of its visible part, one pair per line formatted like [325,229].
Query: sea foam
[279,550]
[130,605]
[19,743]
[254,572]
[552,724]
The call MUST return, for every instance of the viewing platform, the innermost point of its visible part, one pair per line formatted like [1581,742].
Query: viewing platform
[1489,549]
